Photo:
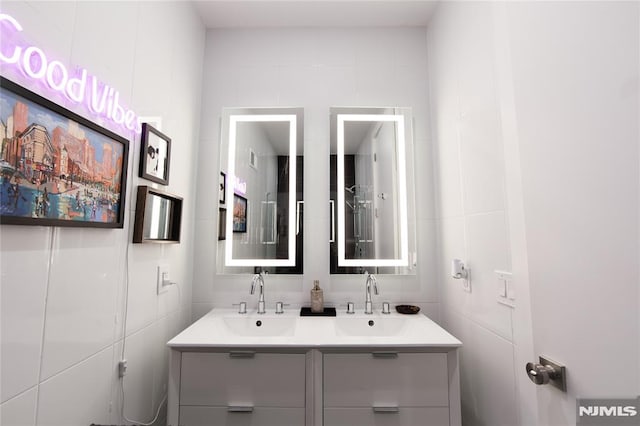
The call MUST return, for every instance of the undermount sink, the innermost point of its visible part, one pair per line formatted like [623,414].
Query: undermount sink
[260,326]
[369,326]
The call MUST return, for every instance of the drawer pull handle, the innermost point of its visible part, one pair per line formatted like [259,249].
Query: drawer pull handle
[242,354]
[386,410]
[239,409]
[388,355]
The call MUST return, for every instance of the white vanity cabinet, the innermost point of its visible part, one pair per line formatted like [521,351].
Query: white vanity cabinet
[385,388]
[242,388]
[257,372]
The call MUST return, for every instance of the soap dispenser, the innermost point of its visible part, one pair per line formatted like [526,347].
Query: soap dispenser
[317,299]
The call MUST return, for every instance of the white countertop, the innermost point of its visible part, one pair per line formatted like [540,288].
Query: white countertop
[224,328]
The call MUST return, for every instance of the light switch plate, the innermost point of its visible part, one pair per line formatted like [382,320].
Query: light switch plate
[505,288]
[163,275]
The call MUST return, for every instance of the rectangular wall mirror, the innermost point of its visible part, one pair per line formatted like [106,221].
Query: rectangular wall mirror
[158,216]
[261,154]
[372,191]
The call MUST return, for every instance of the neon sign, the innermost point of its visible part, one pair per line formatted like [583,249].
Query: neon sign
[81,87]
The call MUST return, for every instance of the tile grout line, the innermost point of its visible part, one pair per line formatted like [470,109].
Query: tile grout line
[52,237]
[483,325]
[117,389]
[76,364]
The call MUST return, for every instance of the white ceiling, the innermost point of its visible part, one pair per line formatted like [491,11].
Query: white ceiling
[314,13]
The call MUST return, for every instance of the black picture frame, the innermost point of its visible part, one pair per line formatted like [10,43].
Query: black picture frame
[239,214]
[158,216]
[56,167]
[155,155]
[222,188]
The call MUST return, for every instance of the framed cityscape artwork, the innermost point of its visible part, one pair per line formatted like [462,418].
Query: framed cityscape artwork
[239,213]
[56,167]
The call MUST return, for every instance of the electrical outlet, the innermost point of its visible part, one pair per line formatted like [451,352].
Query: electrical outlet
[163,278]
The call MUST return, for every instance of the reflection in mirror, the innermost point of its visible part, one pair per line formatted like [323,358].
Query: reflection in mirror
[261,157]
[157,218]
[371,189]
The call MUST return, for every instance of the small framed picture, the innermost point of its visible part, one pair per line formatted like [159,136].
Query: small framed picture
[155,155]
[222,186]
[239,214]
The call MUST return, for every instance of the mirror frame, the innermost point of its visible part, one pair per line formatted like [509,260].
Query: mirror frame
[175,215]
[234,119]
[399,119]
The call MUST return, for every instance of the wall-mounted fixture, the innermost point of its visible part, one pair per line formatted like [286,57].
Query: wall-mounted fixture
[261,156]
[372,191]
[458,270]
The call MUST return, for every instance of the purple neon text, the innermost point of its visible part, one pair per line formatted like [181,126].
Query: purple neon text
[79,87]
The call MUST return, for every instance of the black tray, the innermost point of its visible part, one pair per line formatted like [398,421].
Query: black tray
[407,309]
[328,312]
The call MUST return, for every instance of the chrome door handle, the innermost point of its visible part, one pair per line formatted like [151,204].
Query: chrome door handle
[547,371]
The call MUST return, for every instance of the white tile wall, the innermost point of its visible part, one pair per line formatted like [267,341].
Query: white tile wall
[63,289]
[139,381]
[142,304]
[23,281]
[20,410]
[316,69]
[470,206]
[79,395]
[85,291]
[488,390]
[107,54]
[487,251]
[424,172]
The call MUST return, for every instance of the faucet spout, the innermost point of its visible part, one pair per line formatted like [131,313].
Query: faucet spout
[259,279]
[368,304]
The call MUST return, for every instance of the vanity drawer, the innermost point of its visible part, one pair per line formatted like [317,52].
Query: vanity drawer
[243,379]
[387,379]
[259,416]
[432,416]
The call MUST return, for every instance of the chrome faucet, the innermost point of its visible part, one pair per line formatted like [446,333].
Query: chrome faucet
[258,278]
[368,305]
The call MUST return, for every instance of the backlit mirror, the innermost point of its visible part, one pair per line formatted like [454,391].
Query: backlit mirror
[371,191]
[260,197]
